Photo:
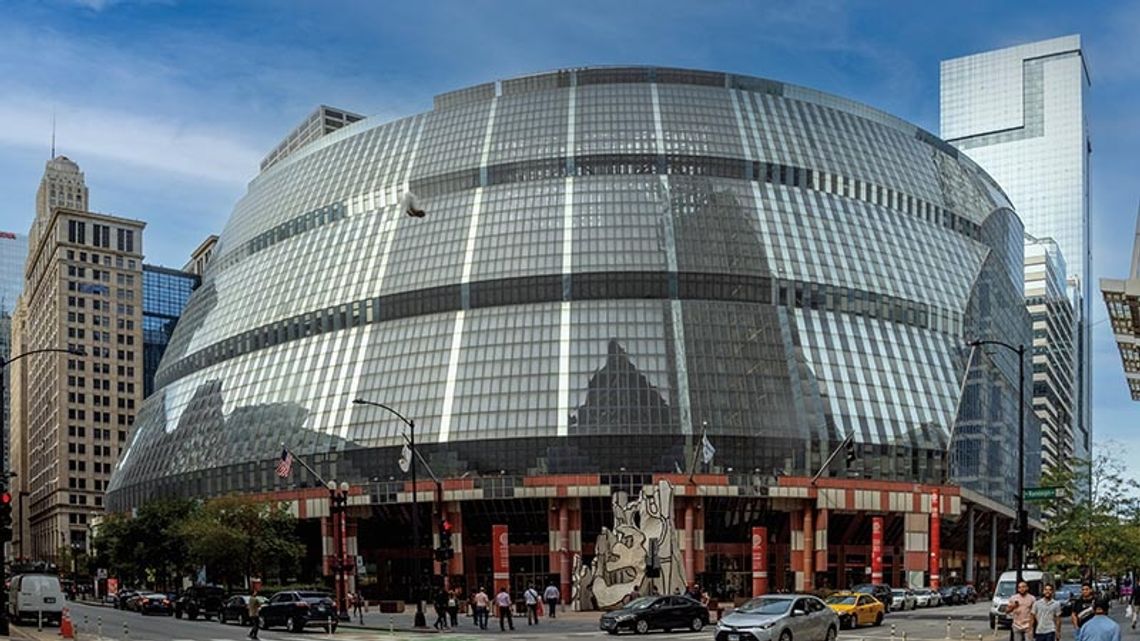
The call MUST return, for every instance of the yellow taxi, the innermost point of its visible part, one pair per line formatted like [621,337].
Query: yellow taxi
[855,609]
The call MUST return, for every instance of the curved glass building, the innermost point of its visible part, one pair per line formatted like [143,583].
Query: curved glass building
[614,261]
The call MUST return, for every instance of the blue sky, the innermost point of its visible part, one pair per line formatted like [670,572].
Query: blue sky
[169,106]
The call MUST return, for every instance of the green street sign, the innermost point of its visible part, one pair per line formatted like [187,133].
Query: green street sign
[1043,493]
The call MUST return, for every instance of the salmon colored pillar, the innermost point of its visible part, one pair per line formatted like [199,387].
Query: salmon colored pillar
[936,541]
[564,551]
[690,551]
[877,549]
[759,561]
[809,549]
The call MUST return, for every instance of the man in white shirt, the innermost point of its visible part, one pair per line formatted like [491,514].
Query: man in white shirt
[531,598]
[551,596]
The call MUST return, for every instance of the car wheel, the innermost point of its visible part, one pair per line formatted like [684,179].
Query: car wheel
[293,625]
[641,627]
[879,619]
[993,623]
[786,635]
[612,631]
[832,633]
[696,624]
[177,614]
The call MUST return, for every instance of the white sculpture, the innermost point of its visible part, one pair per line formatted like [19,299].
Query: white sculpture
[622,555]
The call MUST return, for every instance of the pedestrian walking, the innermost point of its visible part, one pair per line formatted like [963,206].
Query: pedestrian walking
[440,604]
[358,606]
[1083,608]
[503,600]
[551,595]
[1020,610]
[1134,605]
[254,610]
[482,608]
[453,607]
[531,598]
[1099,627]
[1046,613]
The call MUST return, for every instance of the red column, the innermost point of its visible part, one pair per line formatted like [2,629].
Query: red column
[500,557]
[936,541]
[809,549]
[877,549]
[690,553]
[564,551]
[759,561]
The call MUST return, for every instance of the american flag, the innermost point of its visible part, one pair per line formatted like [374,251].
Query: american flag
[285,465]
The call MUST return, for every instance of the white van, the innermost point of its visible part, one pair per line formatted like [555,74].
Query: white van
[1007,587]
[32,594]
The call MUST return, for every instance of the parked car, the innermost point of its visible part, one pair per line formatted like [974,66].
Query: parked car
[949,596]
[154,603]
[133,601]
[780,617]
[903,599]
[199,601]
[123,598]
[656,613]
[856,608]
[966,594]
[111,600]
[32,594]
[297,610]
[236,608]
[880,591]
[927,598]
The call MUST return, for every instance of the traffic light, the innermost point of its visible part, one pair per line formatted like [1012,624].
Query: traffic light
[849,449]
[444,552]
[5,517]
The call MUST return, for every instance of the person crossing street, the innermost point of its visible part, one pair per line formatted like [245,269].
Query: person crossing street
[503,600]
[254,610]
[551,595]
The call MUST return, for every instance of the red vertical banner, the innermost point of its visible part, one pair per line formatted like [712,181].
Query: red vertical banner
[936,541]
[501,557]
[877,549]
[759,561]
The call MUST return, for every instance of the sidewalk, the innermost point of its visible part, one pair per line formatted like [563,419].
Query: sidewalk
[404,621]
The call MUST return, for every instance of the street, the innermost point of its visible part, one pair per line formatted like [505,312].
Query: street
[92,623]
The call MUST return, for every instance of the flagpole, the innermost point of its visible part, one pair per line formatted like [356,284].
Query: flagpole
[304,465]
[696,446]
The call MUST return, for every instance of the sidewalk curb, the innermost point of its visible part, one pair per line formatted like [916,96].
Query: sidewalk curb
[373,628]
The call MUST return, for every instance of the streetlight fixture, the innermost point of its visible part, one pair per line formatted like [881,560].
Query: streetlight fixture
[1022,517]
[76,351]
[420,620]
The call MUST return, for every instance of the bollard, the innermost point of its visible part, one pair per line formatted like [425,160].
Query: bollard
[947,628]
[330,628]
[40,621]
[892,632]
[126,632]
[391,624]
[99,625]
[904,635]
[963,633]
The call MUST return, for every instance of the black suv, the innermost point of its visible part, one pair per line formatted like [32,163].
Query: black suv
[297,610]
[881,592]
[199,600]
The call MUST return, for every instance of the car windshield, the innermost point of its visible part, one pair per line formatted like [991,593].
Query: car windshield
[1005,588]
[765,605]
[866,588]
[898,592]
[841,599]
[642,603]
[315,597]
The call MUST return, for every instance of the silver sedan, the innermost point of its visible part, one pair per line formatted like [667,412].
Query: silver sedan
[780,617]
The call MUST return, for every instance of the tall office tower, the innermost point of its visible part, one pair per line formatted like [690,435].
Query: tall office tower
[13,254]
[324,120]
[1122,297]
[1054,330]
[82,290]
[200,257]
[1020,114]
[164,295]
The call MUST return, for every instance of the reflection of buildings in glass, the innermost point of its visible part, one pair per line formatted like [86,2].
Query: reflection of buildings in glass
[13,253]
[612,258]
[1019,112]
[165,294]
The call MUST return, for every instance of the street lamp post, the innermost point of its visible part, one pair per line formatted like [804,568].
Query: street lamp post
[338,505]
[1022,521]
[4,475]
[420,620]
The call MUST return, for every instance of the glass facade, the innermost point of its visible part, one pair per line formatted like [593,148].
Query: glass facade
[13,253]
[1020,113]
[612,261]
[165,293]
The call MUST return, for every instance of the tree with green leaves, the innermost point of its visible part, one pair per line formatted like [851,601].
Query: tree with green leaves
[146,549]
[235,537]
[1094,528]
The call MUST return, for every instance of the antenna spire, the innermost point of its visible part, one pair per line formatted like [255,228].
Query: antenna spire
[52,134]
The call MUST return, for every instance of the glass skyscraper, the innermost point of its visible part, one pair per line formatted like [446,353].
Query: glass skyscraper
[165,293]
[13,253]
[612,260]
[1020,113]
